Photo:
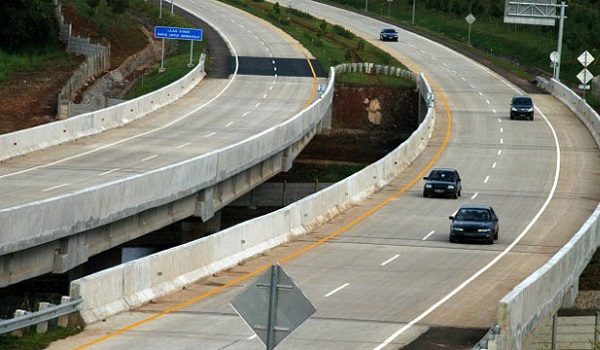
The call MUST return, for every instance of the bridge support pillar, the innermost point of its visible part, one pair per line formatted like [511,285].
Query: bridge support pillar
[194,227]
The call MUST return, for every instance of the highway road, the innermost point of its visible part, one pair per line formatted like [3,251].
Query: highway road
[271,81]
[384,272]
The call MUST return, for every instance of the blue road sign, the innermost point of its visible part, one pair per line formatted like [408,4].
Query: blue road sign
[177,33]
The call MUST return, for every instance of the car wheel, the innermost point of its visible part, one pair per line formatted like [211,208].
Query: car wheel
[531,118]
[455,195]
[425,195]
[491,240]
[512,117]
[459,192]
[496,236]
[452,239]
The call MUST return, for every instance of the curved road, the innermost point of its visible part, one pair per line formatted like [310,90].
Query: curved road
[272,82]
[384,272]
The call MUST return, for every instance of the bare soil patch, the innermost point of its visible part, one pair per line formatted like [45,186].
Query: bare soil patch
[30,99]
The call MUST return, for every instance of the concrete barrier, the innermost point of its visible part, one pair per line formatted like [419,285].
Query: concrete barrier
[543,293]
[138,282]
[43,136]
[66,215]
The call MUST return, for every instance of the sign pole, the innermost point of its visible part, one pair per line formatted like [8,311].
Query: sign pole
[160,9]
[191,53]
[561,26]
[272,307]
[162,57]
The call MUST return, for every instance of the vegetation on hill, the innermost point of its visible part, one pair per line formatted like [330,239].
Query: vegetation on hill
[521,47]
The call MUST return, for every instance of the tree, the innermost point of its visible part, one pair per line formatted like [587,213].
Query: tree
[25,24]
[118,6]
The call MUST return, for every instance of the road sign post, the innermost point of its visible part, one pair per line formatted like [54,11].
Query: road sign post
[470,19]
[177,33]
[273,306]
[585,75]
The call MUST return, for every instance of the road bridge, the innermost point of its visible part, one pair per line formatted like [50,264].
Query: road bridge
[67,202]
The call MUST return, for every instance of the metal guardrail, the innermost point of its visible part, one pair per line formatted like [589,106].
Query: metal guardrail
[33,318]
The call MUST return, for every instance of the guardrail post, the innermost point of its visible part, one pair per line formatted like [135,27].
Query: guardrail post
[63,321]
[42,327]
[19,333]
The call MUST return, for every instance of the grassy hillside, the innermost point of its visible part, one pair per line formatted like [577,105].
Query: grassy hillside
[514,45]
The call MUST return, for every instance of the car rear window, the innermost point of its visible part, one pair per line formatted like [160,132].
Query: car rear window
[522,101]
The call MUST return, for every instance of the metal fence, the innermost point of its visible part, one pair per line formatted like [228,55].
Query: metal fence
[46,312]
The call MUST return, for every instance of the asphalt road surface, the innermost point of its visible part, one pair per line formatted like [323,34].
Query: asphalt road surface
[383,273]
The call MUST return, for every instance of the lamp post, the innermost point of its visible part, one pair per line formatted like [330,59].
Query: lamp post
[413,14]
[390,8]
[366,5]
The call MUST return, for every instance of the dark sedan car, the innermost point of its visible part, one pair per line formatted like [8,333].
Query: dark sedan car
[521,106]
[474,222]
[388,34]
[442,182]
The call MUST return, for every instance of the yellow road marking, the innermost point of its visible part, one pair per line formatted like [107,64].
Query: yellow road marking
[295,254]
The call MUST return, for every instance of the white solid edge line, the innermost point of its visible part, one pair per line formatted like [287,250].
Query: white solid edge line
[498,257]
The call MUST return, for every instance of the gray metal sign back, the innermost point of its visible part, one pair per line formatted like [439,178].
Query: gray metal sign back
[536,12]
[273,306]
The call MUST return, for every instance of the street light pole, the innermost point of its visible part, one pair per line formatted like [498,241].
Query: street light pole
[367,5]
[390,8]
[413,14]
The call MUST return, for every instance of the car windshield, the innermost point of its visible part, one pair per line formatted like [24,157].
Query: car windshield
[472,215]
[522,102]
[389,30]
[441,175]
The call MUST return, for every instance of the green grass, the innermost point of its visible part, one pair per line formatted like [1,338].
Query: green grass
[523,50]
[364,79]
[11,64]
[34,341]
[175,66]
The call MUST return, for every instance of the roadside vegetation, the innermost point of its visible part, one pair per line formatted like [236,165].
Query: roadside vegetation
[34,341]
[522,49]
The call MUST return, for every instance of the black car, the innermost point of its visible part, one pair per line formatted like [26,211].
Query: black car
[474,222]
[521,106]
[442,182]
[388,34]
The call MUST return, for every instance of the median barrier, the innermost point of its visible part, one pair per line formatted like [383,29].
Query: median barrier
[21,142]
[138,282]
[555,284]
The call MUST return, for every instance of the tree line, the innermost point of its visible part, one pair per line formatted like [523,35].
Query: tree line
[28,25]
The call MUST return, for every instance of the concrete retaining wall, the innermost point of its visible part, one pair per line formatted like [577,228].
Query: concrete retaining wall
[135,283]
[544,292]
[43,136]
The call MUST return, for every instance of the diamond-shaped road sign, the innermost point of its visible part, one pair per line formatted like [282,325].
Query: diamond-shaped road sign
[470,18]
[273,306]
[585,58]
[585,76]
